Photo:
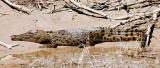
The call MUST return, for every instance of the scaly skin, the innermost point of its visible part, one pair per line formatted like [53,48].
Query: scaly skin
[78,36]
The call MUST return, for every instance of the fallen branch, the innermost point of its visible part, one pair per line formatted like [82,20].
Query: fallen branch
[7,46]
[131,18]
[87,8]
[18,7]
[84,13]
[132,22]
[119,6]
[139,15]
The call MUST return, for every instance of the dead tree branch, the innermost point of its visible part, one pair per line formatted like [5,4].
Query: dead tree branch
[18,7]
[139,15]
[81,6]
[137,18]
[138,4]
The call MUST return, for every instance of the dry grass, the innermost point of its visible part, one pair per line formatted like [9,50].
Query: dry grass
[90,58]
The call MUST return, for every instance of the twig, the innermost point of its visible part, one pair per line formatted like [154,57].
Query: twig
[6,58]
[7,45]
[3,14]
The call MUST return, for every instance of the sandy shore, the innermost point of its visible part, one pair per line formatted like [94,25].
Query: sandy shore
[15,22]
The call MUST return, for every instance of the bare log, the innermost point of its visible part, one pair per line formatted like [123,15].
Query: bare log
[87,8]
[7,45]
[18,7]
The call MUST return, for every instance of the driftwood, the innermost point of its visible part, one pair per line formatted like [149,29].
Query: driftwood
[18,7]
[7,45]
[79,5]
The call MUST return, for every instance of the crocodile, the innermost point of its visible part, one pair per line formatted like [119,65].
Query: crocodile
[80,36]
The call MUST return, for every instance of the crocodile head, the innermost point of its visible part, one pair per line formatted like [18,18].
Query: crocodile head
[32,36]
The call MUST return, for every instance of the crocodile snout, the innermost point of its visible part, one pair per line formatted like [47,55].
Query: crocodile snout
[14,37]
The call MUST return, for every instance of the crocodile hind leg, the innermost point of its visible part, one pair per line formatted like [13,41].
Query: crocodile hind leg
[53,43]
[87,43]
[81,45]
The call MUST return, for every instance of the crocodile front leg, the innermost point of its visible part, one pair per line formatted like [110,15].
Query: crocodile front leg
[53,44]
[88,43]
